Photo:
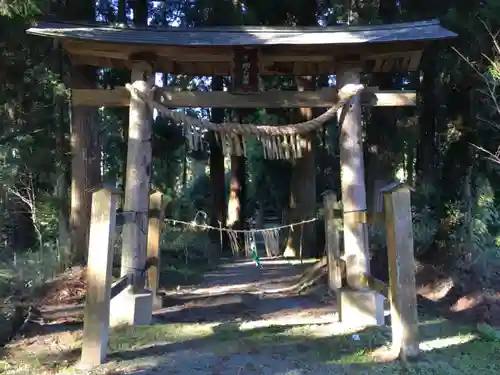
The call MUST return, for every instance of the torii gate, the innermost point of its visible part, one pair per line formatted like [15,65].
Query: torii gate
[245,53]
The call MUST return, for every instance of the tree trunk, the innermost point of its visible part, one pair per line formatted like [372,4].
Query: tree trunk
[84,144]
[380,134]
[85,165]
[62,186]
[457,171]
[410,162]
[61,193]
[217,170]
[140,8]
[468,198]
[185,168]
[140,12]
[302,240]
[245,78]
[381,128]
[427,150]
[236,202]
[122,11]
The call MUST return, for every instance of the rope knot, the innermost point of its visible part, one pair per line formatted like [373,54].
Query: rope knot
[141,90]
[350,90]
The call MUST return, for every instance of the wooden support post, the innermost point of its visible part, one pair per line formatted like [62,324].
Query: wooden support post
[99,267]
[332,242]
[138,178]
[403,293]
[353,183]
[156,209]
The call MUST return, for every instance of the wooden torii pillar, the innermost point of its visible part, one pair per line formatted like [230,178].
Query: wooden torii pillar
[134,305]
[357,303]
[353,184]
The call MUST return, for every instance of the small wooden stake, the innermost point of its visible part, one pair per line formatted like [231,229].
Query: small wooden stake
[332,242]
[156,208]
[99,267]
[403,294]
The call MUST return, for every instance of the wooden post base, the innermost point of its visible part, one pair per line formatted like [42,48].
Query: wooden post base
[360,308]
[157,302]
[129,308]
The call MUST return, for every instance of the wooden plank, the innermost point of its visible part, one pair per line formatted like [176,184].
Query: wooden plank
[225,53]
[119,285]
[117,97]
[361,217]
[137,180]
[103,62]
[332,242]
[198,54]
[407,61]
[403,293]
[416,57]
[166,64]
[325,98]
[246,69]
[153,250]
[99,267]
[273,60]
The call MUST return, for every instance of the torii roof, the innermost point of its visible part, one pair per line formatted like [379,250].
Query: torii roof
[244,36]
[280,50]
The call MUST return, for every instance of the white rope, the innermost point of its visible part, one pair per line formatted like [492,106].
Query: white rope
[229,230]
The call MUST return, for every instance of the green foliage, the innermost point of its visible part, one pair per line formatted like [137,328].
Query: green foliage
[489,333]
[268,180]
[425,200]
[483,253]
[47,207]
[186,254]
[22,273]
[19,8]
[193,198]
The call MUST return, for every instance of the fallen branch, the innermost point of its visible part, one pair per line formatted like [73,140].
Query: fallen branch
[316,272]
[308,278]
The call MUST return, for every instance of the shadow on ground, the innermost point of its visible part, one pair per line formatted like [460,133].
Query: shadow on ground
[227,349]
[243,274]
[231,307]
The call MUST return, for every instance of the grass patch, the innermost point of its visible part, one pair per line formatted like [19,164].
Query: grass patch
[447,348]
[186,255]
[130,338]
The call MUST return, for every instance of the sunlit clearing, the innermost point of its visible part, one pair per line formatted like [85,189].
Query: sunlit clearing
[445,342]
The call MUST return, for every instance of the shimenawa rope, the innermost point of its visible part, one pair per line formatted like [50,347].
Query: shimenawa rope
[278,141]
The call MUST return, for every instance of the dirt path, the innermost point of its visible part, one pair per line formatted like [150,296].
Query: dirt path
[212,328]
[243,323]
[233,293]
